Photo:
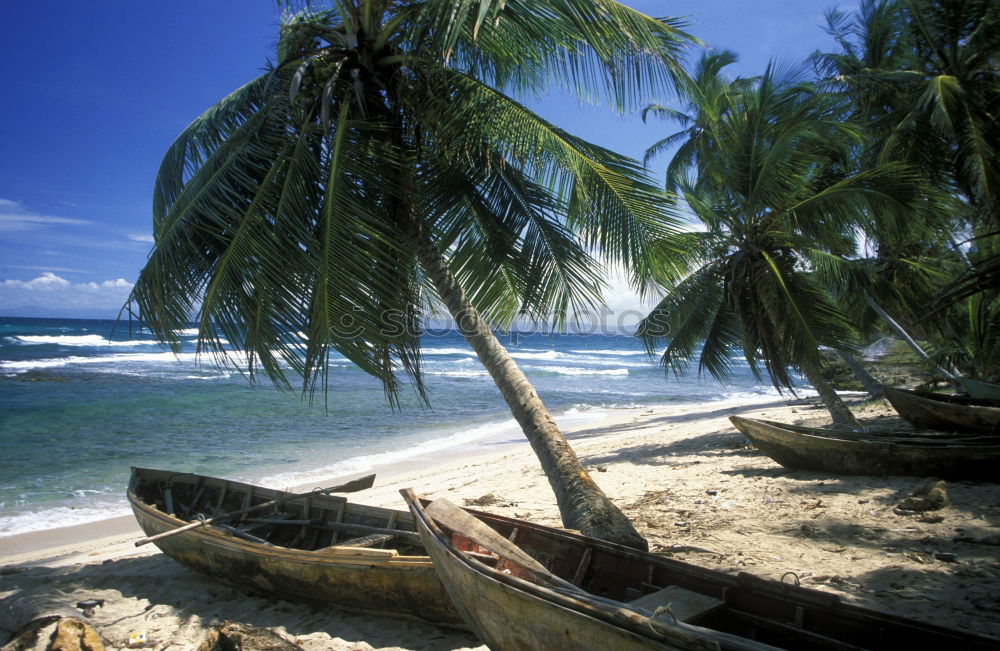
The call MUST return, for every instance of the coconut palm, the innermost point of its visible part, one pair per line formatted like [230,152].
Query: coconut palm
[774,186]
[918,77]
[710,94]
[382,160]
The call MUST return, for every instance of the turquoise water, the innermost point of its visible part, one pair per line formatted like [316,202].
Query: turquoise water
[77,410]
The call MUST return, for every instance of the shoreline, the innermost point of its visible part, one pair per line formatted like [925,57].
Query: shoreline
[498,438]
[681,473]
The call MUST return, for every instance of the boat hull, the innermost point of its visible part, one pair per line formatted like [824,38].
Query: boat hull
[975,458]
[946,413]
[510,610]
[376,581]
[981,390]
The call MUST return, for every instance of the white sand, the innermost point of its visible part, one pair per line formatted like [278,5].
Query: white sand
[682,473]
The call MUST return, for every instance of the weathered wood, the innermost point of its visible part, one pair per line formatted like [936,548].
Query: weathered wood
[360,579]
[371,540]
[351,486]
[980,389]
[683,605]
[948,413]
[800,448]
[347,527]
[239,533]
[512,610]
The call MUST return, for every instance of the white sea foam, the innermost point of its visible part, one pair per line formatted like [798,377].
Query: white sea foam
[447,351]
[459,373]
[62,516]
[368,462]
[81,340]
[617,353]
[22,366]
[576,370]
[548,354]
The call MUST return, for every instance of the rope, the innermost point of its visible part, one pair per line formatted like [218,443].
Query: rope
[794,576]
[665,608]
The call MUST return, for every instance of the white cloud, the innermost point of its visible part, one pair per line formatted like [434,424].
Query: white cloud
[146,238]
[14,217]
[51,291]
[47,280]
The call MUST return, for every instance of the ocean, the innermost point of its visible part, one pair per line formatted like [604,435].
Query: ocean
[79,407]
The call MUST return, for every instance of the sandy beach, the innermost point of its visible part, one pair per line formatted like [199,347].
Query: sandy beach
[682,473]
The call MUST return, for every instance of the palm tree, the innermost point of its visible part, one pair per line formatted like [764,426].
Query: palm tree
[382,160]
[773,185]
[919,78]
[710,95]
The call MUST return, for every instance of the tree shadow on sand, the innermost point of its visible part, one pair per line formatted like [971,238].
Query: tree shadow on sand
[171,602]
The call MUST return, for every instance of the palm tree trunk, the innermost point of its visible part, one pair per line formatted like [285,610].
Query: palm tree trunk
[839,411]
[582,504]
[872,386]
[911,342]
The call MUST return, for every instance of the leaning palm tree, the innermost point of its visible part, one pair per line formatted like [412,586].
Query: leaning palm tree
[382,160]
[773,186]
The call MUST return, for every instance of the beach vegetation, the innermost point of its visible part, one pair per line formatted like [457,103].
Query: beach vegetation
[770,174]
[922,79]
[384,161]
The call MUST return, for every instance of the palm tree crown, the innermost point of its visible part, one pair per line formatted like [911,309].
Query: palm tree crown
[774,184]
[383,156]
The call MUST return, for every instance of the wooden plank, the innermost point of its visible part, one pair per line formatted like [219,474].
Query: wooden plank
[346,527]
[239,533]
[581,569]
[465,523]
[683,604]
[371,540]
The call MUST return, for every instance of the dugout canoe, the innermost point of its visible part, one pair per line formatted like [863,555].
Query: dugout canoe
[947,413]
[526,587]
[974,458]
[321,548]
[980,389]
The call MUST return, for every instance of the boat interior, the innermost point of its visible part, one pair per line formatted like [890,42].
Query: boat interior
[667,590]
[314,522]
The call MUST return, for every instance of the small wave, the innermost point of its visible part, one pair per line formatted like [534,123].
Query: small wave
[62,516]
[575,370]
[608,352]
[447,351]
[81,340]
[365,463]
[468,373]
[548,354]
[32,364]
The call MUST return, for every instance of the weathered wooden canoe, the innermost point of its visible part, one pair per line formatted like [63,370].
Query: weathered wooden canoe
[945,412]
[898,435]
[536,588]
[980,389]
[972,457]
[321,549]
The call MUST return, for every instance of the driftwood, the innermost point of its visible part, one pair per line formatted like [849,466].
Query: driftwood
[56,633]
[349,487]
[234,635]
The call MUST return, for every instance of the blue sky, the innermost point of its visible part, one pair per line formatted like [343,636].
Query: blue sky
[96,92]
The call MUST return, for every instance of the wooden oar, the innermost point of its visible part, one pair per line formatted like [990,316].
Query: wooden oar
[349,487]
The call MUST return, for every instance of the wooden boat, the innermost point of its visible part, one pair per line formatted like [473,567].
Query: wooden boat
[525,587]
[945,412]
[319,548]
[980,389]
[898,435]
[851,453]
